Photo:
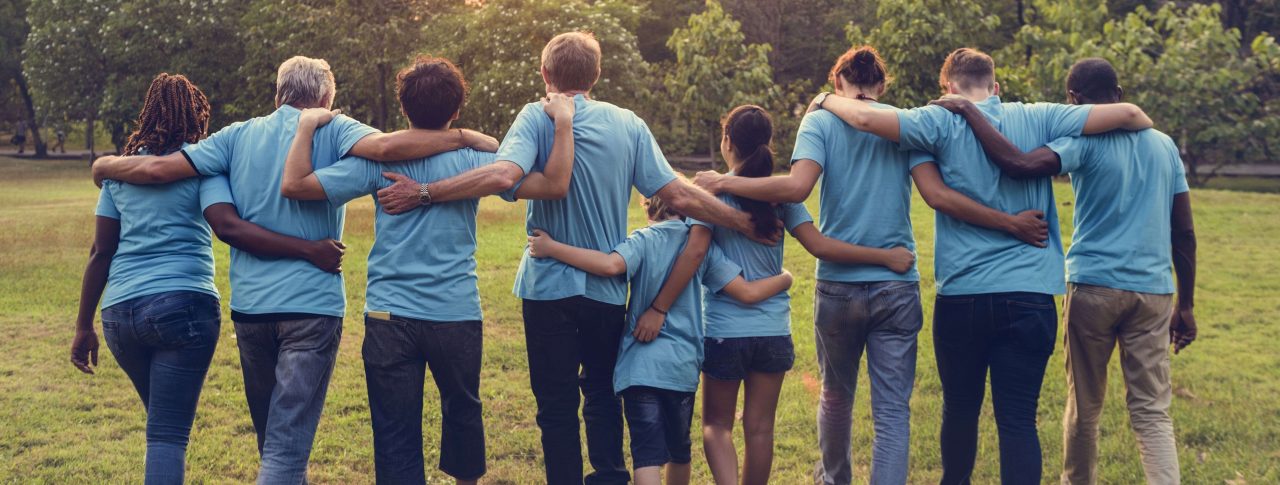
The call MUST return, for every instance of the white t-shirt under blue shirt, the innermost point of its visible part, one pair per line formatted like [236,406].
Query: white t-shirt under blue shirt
[252,153]
[865,192]
[165,243]
[973,260]
[423,262]
[613,151]
[1124,184]
[730,318]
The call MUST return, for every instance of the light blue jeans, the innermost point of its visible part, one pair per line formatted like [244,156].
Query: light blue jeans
[883,318]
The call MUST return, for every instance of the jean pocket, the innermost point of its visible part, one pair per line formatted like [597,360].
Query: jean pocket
[173,327]
[953,320]
[1034,324]
[834,290]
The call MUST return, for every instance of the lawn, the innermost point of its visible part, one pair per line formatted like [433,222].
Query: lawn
[59,426]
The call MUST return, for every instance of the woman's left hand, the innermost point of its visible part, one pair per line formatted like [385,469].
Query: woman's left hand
[84,350]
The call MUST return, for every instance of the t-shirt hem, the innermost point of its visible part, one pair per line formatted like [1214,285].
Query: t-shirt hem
[288,310]
[116,299]
[432,317]
[1154,290]
[775,333]
[560,296]
[618,387]
[953,290]
[914,277]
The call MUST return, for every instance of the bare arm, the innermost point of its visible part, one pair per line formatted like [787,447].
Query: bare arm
[84,347]
[898,259]
[1116,116]
[553,181]
[694,202]
[686,265]
[404,195]
[793,187]
[1012,160]
[417,143]
[1028,226]
[1183,327]
[143,169]
[863,117]
[752,292]
[299,181]
[325,254]
[597,263]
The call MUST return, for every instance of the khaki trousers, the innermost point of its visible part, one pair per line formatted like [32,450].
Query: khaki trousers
[1096,319]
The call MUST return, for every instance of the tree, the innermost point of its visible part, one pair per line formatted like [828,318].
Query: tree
[805,35]
[13,34]
[64,60]
[715,70]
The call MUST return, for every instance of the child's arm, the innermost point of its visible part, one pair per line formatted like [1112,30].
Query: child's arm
[898,259]
[752,292]
[541,245]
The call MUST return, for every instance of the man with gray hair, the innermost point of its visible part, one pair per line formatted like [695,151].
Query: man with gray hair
[287,313]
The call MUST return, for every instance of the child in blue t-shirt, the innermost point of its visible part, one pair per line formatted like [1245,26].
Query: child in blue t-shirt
[658,369]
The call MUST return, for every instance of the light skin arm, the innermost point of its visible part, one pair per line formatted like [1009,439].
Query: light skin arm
[898,259]
[1041,162]
[1116,116]
[552,182]
[794,187]
[299,181]
[597,263]
[1182,330]
[686,265]
[752,292]
[238,233]
[143,169]
[414,143]
[694,202]
[84,346]
[862,116]
[1028,226]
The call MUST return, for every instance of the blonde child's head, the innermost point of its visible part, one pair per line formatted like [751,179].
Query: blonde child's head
[658,210]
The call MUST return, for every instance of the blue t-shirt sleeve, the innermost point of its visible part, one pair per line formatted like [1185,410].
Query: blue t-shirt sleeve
[632,252]
[717,270]
[922,128]
[694,222]
[1058,120]
[794,215]
[520,146]
[350,178]
[1071,151]
[652,171]
[811,141]
[917,157]
[212,155]
[215,190]
[106,204]
[346,131]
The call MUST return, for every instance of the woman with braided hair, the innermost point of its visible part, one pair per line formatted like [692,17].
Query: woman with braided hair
[152,254]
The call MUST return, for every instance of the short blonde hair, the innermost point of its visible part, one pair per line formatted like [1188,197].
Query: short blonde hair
[572,61]
[304,81]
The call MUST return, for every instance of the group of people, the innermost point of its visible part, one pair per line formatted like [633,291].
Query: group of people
[631,325]
[19,138]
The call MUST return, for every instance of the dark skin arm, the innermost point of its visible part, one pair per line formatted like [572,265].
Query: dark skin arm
[84,347]
[1041,162]
[686,265]
[1182,329]
[325,254]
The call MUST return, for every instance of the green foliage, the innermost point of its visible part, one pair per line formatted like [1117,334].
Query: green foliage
[715,70]
[915,36]
[63,57]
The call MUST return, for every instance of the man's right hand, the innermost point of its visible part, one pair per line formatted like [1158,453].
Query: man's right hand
[559,107]
[900,259]
[326,254]
[1029,227]
[710,181]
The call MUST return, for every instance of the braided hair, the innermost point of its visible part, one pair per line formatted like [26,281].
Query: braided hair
[175,112]
[750,132]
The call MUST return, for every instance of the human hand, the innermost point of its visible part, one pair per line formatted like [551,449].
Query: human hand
[1030,227]
[84,350]
[649,325]
[326,254]
[402,196]
[317,117]
[954,103]
[899,259]
[710,180]
[559,107]
[540,244]
[1182,329]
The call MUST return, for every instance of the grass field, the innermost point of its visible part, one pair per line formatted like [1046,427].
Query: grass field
[59,426]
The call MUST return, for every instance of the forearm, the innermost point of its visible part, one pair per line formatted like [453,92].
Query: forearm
[594,262]
[835,251]
[686,265]
[553,181]
[410,144]
[1011,159]
[698,204]
[863,117]
[298,182]
[91,288]
[752,292]
[143,169]
[779,189]
[474,184]
[1116,116]
[959,206]
[1183,240]
[252,238]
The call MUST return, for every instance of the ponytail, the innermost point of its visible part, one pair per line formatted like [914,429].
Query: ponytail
[750,132]
[861,66]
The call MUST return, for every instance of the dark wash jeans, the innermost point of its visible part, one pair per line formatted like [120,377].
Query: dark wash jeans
[573,347]
[397,353]
[164,343]
[1012,335]
[286,366]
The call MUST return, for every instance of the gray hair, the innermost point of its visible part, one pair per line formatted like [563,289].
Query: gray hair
[304,81]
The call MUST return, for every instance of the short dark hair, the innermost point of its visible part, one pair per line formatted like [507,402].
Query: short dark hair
[968,68]
[431,90]
[1093,79]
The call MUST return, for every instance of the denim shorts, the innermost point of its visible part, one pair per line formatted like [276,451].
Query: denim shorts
[659,420]
[731,359]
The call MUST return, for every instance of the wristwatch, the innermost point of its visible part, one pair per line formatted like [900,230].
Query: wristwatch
[822,98]
[424,195]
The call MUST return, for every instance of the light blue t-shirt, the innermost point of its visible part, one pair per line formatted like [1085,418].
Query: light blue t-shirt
[730,318]
[251,153]
[613,151]
[973,260]
[423,263]
[1124,184]
[673,359]
[865,192]
[165,243]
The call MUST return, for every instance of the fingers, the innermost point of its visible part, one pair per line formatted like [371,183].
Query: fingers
[539,233]
[341,246]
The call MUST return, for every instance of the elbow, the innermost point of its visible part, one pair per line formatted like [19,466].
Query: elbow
[1138,119]
[616,268]
[503,181]
[291,190]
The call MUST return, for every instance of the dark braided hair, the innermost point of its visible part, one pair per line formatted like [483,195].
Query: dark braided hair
[175,112]
[750,132]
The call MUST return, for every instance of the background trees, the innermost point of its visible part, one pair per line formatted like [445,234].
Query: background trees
[1208,74]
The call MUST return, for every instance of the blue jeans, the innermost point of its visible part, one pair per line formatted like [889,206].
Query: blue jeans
[286,366]
[1012,335]
[397,353]
[884,318]
[164,343]
[731,359]
[659,420]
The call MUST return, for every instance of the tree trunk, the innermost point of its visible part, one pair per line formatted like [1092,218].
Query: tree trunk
[88,138]
[41,148]
[383,111]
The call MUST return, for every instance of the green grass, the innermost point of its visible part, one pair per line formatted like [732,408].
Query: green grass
[59,426]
